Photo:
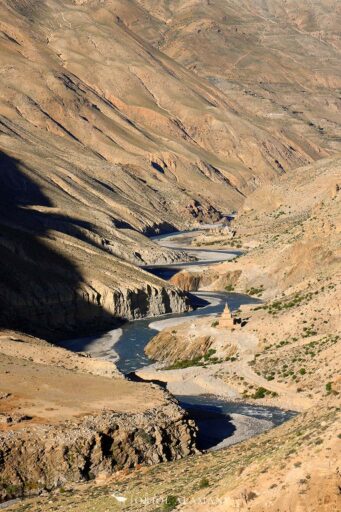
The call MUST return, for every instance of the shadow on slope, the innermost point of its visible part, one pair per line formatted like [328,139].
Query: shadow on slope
[42,292]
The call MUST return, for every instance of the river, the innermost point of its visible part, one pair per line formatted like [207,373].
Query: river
[221,422]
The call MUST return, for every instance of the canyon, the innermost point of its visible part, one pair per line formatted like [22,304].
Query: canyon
[155,141]
[125,120]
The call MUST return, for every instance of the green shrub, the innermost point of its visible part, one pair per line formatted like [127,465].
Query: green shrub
[196,361]
[260,393]
[329,387]
[204,483]
[171,503]
[185,363]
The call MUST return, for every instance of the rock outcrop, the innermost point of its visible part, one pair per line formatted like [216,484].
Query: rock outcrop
[40,458]
[68,418]
[197,341]
[207,279]
[56,310]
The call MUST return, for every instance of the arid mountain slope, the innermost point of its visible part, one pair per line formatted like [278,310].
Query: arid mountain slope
[290,343]
[277,62]
[292,230]
[58,275]
[107,133]
[294,227]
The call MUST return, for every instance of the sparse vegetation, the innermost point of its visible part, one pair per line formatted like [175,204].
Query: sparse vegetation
[276,306]
[294,364]
[202,360]
[255,291]
[229,288]
[204,483]
[171,503]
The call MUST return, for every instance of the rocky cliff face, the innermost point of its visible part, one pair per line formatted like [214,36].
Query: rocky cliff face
[149,301]
[173,345]
[45,457]
[57,311]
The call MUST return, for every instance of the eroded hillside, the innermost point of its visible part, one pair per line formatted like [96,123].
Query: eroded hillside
[108,131]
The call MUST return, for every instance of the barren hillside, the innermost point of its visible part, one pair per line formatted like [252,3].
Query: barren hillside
[110,130]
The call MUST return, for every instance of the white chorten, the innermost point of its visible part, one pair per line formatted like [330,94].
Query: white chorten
[226,320]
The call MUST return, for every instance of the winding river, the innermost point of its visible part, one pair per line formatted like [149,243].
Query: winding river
[221,422]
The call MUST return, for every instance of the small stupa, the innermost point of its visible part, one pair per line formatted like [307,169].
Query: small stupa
[226,320]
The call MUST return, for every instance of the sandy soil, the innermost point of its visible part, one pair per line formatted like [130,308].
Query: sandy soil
[98,346]
[189,381]
[244,425]
[44,384]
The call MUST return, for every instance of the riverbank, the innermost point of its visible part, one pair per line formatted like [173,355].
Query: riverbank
[222,423]
[100,346]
